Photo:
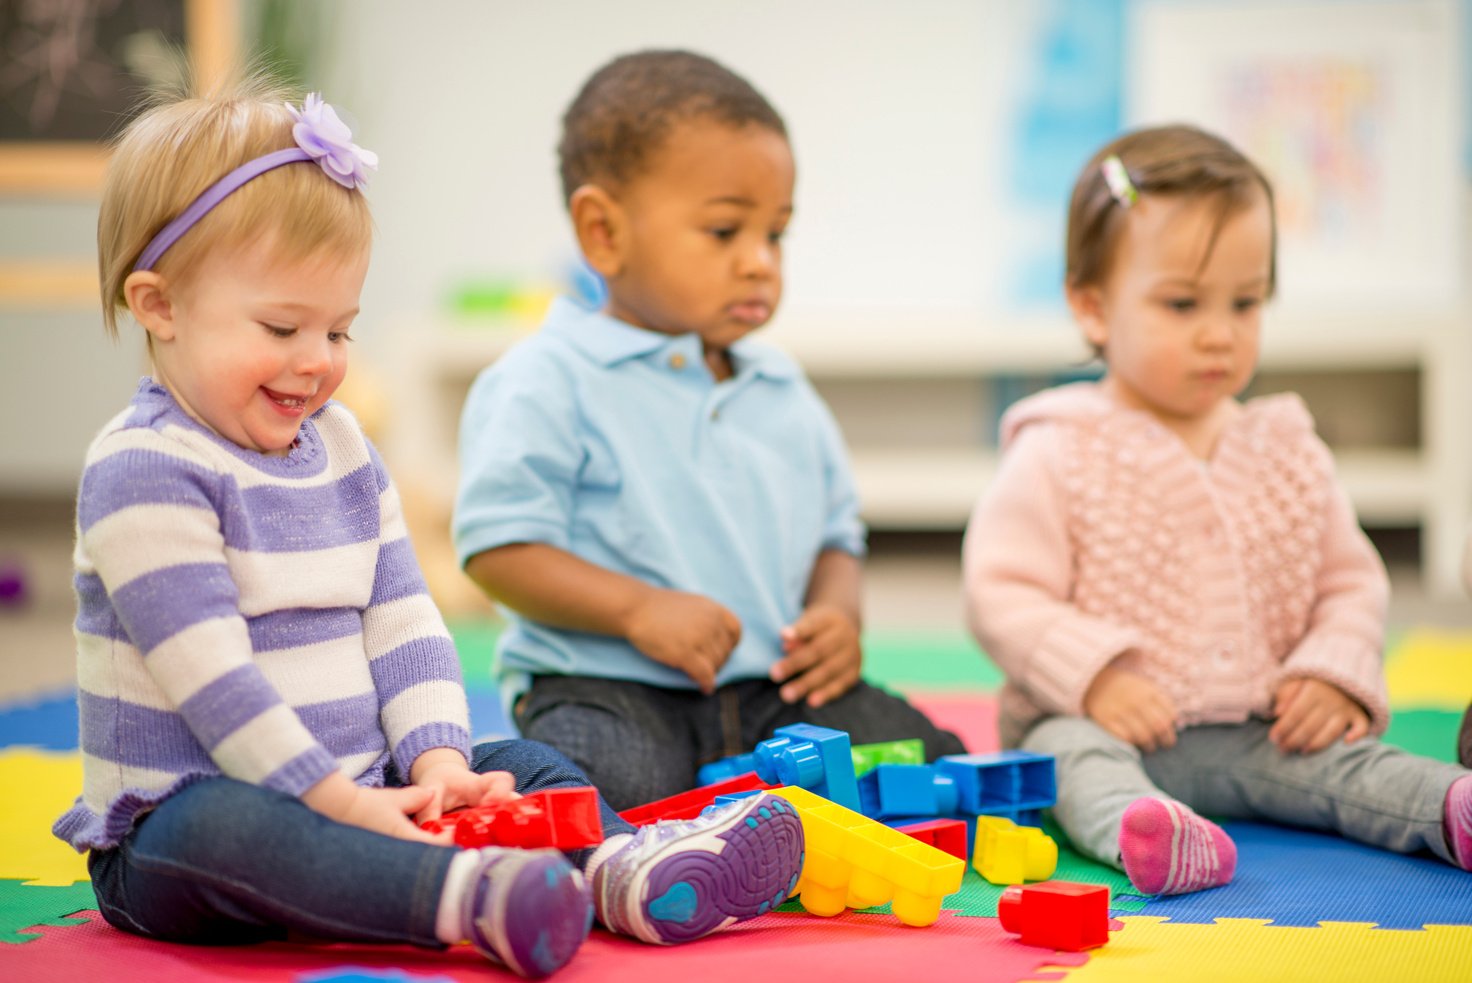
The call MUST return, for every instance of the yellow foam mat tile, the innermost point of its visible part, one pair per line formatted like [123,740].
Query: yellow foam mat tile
[1237,949]
[38,787]
[1431,668]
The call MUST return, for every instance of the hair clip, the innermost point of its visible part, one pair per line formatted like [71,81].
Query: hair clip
[1118,179]
[328,140]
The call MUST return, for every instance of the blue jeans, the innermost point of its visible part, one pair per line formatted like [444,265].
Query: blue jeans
[639,743]
[224,862]
[1367,791]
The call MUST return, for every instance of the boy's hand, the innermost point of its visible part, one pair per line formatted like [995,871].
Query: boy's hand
[822,656]
[687,632]
[455,786]
[1132,708]
[1312,714]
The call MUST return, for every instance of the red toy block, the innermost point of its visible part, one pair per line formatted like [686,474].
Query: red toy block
[688,805]
[1056,914]
[565,818]
[943,834]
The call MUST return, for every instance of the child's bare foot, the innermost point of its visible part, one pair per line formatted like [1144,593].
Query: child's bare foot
[1168,849]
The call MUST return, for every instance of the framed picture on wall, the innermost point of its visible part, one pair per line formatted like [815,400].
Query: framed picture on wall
[1352,108]
[72,73]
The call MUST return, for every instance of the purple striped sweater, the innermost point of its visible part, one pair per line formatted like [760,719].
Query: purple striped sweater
[252,616]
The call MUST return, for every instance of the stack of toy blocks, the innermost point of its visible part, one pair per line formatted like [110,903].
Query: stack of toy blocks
[852,860]
[845,796]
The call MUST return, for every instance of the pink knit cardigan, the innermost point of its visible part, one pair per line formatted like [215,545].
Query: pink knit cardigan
[1103,538]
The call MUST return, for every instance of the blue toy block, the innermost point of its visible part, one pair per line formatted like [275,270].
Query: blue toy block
[729,797]
[725,769]
[1002,783]
[907,790]
[818,759]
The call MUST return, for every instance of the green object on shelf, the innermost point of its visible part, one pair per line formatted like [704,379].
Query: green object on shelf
[486,297]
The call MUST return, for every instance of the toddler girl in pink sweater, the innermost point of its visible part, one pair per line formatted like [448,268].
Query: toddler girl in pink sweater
[1174,582]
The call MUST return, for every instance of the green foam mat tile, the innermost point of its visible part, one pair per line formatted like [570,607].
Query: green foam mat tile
[913,657]
[1428,732]
[24,906]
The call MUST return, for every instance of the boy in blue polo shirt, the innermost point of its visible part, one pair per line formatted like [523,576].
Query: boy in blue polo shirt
[663,506]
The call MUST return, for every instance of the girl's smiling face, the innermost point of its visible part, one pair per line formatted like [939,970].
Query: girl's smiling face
[251,345]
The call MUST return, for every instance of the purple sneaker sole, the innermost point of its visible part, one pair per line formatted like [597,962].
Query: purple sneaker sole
[741,866]
[534,916]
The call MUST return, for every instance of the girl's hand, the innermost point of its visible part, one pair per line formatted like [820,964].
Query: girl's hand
[822,656]
[687,632]
[1312,714]
[453,785]
[379,810]
[1132,708]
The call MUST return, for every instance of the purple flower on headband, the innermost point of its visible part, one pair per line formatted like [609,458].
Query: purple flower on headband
[320,133]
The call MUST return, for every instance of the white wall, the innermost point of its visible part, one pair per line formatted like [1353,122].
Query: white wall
[904,118]
[889,106]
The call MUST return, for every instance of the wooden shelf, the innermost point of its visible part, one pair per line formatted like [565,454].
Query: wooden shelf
[936,489]
[1427,485]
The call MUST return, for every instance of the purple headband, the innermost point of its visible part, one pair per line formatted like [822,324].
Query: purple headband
[320,136]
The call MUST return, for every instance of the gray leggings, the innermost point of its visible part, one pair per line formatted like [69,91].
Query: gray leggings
[1366,791]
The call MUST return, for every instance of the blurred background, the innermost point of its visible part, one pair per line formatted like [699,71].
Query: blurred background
[936,143]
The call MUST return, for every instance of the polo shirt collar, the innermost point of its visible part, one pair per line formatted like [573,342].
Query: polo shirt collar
[609,341]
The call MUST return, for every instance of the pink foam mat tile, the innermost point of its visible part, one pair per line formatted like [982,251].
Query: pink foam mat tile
[849,947]
[970,716]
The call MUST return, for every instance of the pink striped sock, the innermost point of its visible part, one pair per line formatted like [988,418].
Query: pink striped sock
[1168,849]
[1457,820]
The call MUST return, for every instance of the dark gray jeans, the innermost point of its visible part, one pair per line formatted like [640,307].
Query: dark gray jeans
[639,743]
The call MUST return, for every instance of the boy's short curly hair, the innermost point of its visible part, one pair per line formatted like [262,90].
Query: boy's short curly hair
[626,110]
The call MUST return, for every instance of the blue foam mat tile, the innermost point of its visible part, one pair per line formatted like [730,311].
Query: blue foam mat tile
[1297,877]
[48,721]
[488,719]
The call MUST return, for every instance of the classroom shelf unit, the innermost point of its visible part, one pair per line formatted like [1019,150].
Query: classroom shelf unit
[919,397]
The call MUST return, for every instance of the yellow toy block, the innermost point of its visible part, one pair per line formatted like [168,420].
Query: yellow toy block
[855,862]
[1007,853]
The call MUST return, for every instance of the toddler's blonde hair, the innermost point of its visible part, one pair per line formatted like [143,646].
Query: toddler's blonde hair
[183,144]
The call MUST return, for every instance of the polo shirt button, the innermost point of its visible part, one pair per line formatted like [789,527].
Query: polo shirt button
[715,414]
[677,361]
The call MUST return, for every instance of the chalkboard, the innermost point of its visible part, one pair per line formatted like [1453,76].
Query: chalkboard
[75,71]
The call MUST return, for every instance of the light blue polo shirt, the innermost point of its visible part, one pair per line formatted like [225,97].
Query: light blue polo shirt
[618,445]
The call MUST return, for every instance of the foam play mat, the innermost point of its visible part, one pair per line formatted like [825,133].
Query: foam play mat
[1303,906]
